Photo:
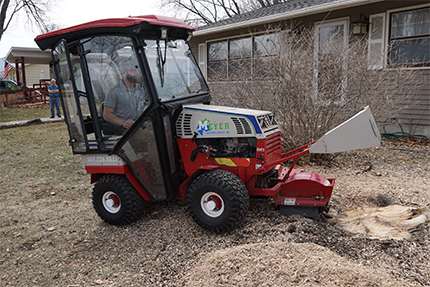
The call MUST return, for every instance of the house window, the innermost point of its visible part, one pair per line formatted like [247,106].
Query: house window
[376,48]
[330,42]
[409,39]
[240,58]
[237,58]
[332,37]
[218,60]
[265,47]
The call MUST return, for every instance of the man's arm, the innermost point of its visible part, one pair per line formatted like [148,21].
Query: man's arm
[110,117]
[53,91]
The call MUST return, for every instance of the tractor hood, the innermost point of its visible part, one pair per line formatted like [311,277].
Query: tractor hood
[207,121]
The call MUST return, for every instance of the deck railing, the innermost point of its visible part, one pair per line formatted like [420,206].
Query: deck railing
[27,96]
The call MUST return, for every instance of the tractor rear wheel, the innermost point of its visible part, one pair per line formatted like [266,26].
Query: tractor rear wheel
[116,201]
[217,200]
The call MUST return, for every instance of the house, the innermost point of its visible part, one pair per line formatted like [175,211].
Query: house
[31,74]
[402,25]
[31,65]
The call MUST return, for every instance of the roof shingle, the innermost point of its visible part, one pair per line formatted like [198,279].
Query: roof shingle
[288,6]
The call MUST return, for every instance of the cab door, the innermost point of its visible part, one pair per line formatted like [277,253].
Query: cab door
[71,107]
[142,153]
[109,63]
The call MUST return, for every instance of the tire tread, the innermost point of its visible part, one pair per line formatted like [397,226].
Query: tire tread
[235,190]
[131,200]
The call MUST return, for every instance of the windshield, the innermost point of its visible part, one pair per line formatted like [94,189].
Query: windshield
[174,69]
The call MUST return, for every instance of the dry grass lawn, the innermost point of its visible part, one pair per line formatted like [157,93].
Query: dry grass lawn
[51,236]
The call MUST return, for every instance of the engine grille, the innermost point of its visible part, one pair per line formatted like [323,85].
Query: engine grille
[183,125]
[273,143]
[242,126]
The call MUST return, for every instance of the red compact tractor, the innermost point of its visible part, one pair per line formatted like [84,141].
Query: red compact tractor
[137,110]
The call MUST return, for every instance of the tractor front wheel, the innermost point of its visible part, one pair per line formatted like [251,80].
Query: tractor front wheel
[116,201]
[217,200]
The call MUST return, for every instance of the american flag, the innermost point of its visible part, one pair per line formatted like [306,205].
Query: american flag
[7,68]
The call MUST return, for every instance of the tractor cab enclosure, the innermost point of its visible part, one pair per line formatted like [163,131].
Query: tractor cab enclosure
[121,81]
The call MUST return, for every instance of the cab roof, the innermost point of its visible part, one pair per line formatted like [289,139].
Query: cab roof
[147,24]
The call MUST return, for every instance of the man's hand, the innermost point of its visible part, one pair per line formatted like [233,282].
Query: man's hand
[110,117]
[127,124]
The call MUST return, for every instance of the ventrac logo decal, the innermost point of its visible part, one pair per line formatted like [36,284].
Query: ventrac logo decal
[205,126]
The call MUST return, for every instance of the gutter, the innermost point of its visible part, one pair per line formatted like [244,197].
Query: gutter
[341,4]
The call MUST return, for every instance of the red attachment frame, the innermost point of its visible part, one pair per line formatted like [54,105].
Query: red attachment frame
[294,154]
[291,186]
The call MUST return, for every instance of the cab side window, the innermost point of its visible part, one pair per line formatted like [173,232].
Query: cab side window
[116,82]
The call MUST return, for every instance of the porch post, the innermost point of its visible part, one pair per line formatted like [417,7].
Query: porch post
[17,72]
[24,81]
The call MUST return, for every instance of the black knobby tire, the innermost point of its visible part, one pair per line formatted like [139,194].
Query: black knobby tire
[116,201]
[217,200]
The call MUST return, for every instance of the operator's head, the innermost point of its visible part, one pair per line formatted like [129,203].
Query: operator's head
[130,70]
[53,82]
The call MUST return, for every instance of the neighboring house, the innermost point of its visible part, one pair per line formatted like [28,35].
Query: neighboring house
[32,65]
[34,72]
[403,23]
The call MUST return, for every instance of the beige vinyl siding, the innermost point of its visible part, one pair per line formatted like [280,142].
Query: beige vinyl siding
[33,73]
[419,112]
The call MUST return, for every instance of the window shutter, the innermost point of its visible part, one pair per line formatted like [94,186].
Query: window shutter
[202,59]
[377,55]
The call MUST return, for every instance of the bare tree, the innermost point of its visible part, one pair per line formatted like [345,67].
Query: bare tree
[202,12]
[312,91]
[34,9]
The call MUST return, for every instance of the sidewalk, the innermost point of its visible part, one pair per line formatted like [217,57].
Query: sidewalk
[14,124]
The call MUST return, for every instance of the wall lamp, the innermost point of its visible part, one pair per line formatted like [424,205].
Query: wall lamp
[360,26]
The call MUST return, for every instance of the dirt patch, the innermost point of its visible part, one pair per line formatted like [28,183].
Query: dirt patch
[51,236]
[283,264]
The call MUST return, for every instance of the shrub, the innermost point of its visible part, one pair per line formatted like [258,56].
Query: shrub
[311,92]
